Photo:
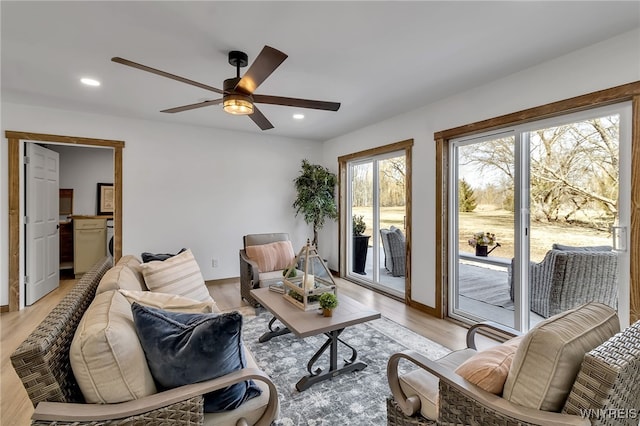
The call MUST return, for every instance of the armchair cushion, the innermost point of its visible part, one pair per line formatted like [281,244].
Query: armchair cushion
[179,275]
[548,359]
[425,385]
[185,348]
[272,256]
[581,248]
[488,369]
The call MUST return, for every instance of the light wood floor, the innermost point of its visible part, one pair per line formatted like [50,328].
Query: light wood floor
[16,409]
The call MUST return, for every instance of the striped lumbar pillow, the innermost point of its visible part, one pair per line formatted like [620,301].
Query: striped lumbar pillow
[179,275]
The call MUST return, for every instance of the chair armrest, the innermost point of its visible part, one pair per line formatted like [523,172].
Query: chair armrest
[72,412]
[493,328]
[493,402]
[248,269]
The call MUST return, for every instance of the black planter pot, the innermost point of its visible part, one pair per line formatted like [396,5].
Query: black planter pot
[360,247]
[481,250]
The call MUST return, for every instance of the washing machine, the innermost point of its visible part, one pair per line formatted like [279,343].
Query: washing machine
[110,237]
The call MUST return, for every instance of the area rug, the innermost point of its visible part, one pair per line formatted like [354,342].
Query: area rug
[485,285]
[357,398]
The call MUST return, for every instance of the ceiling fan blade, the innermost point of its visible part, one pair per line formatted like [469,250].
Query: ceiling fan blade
[165,74]
[259,118]
[193,106]
[267,61]
[295,102]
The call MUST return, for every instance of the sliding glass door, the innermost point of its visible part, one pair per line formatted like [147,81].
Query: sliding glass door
[376,241]
[552,195]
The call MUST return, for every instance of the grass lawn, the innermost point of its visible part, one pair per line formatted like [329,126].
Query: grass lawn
[501,223]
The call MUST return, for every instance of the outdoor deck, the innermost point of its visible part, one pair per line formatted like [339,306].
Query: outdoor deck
[484,287]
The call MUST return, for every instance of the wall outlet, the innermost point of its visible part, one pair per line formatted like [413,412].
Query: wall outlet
[214,263]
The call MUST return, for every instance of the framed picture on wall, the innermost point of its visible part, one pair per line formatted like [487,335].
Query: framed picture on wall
[105,199]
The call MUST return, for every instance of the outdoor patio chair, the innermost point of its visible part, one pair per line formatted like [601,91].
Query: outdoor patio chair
[570,276]
[394,246]
[575,368]
[274,259]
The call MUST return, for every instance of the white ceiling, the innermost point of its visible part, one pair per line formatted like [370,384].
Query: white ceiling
[378,59]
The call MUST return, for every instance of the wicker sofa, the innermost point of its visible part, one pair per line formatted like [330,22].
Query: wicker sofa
[602,389]
[395,251]
[43,364]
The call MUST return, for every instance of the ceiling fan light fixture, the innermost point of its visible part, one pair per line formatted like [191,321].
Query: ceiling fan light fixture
[237,104]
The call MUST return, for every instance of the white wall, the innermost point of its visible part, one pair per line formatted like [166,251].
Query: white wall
[81,169]
[184,186]
[607,64]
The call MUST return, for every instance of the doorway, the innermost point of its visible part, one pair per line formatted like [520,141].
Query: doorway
[541,194]
[375,212]
[16,141]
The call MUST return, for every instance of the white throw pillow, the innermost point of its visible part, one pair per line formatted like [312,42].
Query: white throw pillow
[179,275]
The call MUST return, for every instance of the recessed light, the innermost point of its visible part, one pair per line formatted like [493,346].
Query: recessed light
[90,81]
[298,116]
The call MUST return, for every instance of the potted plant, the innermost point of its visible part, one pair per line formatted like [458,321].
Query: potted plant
[360,245]
[316,196]
[482,241]
[328,302]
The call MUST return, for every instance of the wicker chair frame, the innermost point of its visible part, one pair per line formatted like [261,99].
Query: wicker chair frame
[606,392]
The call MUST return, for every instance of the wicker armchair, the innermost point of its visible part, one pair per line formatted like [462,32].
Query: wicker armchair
[395,251]
[42,363]
[250,276]
[568,278]
[606,391]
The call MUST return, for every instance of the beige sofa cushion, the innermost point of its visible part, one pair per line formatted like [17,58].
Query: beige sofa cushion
[133,263]
[425,385]
[179,275]
[107,359]
[273,256]
[488,369]
[550,354]
[120,277]
[170,302]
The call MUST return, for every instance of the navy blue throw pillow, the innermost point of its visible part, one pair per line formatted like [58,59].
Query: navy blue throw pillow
[148,257]
[184,348]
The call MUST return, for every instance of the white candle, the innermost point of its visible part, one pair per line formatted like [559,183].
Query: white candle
[309,282]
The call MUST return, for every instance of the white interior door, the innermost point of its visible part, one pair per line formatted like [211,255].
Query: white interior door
[41,222]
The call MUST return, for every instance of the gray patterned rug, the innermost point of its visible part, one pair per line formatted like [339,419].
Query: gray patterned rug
[351,399]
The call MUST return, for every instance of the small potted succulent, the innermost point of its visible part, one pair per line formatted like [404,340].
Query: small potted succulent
[360,245]
[328,302]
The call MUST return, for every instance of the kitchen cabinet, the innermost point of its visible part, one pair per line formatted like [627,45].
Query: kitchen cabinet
[89,242]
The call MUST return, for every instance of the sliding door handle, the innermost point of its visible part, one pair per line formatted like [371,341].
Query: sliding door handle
[619,234]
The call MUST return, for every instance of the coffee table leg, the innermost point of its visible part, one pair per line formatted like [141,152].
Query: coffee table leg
[273,332]
[316,375]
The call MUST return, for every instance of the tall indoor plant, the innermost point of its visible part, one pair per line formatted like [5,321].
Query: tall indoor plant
[316,196]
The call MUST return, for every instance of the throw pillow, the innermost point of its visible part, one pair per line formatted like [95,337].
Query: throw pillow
[489,369]
[149,257]
[169,302]
[179,275]
[186,348]
[272,256]
[549,357]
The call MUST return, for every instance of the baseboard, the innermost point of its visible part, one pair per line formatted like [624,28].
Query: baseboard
[4,308]
[223,281]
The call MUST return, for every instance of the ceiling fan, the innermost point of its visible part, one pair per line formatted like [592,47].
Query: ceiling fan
[238,95]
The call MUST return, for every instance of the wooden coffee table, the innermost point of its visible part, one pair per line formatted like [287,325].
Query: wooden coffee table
[310,323]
